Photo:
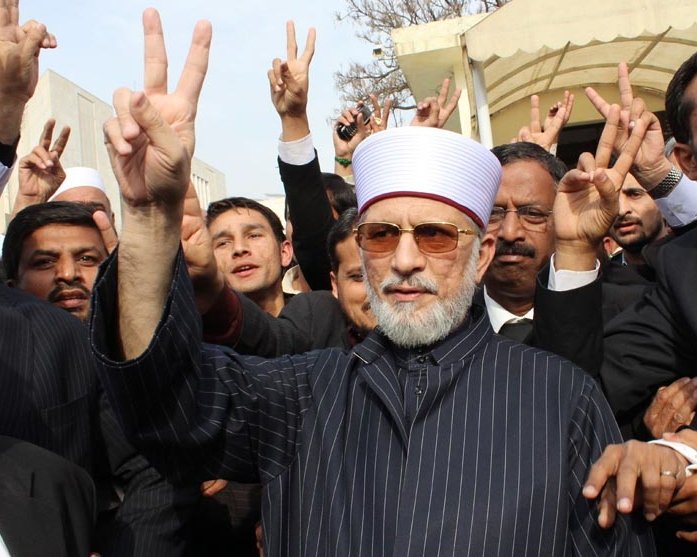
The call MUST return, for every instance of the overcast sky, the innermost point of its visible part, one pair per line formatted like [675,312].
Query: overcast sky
[100,47]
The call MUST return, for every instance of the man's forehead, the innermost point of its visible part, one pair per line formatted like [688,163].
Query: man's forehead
[84,194]
[528,179]
[347,252]
[240,216]
[55,236]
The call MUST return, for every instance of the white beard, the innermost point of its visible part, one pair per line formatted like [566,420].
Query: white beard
[408,327]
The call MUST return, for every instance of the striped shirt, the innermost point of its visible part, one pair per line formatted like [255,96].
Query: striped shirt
[477,446]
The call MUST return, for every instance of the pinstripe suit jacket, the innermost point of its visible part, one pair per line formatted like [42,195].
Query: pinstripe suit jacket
[476,446]
[50,396]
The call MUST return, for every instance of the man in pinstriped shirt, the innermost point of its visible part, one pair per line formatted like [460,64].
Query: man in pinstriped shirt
[432,437]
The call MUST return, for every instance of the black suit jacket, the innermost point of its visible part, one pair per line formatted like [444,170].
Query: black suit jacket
[623,286]
[309,321]
[47,504]
[311,215]
[50,396]
[647,345]
[654,342]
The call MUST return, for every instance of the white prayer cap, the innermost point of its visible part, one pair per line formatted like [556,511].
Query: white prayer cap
[77,177]
[427,162]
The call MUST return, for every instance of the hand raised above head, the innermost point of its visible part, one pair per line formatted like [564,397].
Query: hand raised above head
[19,52]
[547,135]
[588,197]
[41,172]
[353,121]
[19,66]
[434,111]
[289,80]
[151,140]
[587,200]
[650,164]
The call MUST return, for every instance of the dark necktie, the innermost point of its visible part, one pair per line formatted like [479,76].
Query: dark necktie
[519,331]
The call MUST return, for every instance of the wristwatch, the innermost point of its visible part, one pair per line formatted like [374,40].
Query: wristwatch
[667,185]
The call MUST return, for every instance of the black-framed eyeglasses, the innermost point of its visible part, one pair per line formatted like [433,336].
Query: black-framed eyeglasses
[430,237]
[531,217]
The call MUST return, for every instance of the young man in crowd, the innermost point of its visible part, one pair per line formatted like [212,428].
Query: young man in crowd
[251,249]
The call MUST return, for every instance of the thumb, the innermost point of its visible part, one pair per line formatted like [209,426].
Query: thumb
[35,33]
[160,134]
[525,134]
[106,229]
[607,190]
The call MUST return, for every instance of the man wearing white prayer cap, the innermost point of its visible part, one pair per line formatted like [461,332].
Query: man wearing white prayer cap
[83,185]
[434,436]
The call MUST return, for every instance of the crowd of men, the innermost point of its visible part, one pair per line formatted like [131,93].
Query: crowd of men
[444,350]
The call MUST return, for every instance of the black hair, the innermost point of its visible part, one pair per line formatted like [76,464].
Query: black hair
[217,208]
[526,151]
[340,230]
[33,217]
[340,193]
[678,106]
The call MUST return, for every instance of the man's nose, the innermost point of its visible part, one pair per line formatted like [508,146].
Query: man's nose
[407,257]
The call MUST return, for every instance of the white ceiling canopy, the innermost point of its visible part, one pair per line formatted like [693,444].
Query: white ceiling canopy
[532,46]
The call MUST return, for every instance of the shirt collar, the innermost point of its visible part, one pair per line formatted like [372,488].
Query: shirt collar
[499,315]
[458,345]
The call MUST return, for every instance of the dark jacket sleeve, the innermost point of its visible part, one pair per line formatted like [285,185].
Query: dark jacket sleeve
[311,215]
[307,322]
[155,514]
[570,323]
[197,411]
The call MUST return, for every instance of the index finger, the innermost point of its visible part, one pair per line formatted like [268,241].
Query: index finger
[607,138]
[631,147]
[196,65]
[443,94]
[602,470]
[376,105]
[450,107]
[9,12]
[626,95]
[47,133]
[155,54]
[568,105]
[557,122]
[600,104]
[535,126]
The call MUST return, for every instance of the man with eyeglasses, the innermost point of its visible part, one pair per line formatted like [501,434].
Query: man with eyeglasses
[523,224]
[433,436]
